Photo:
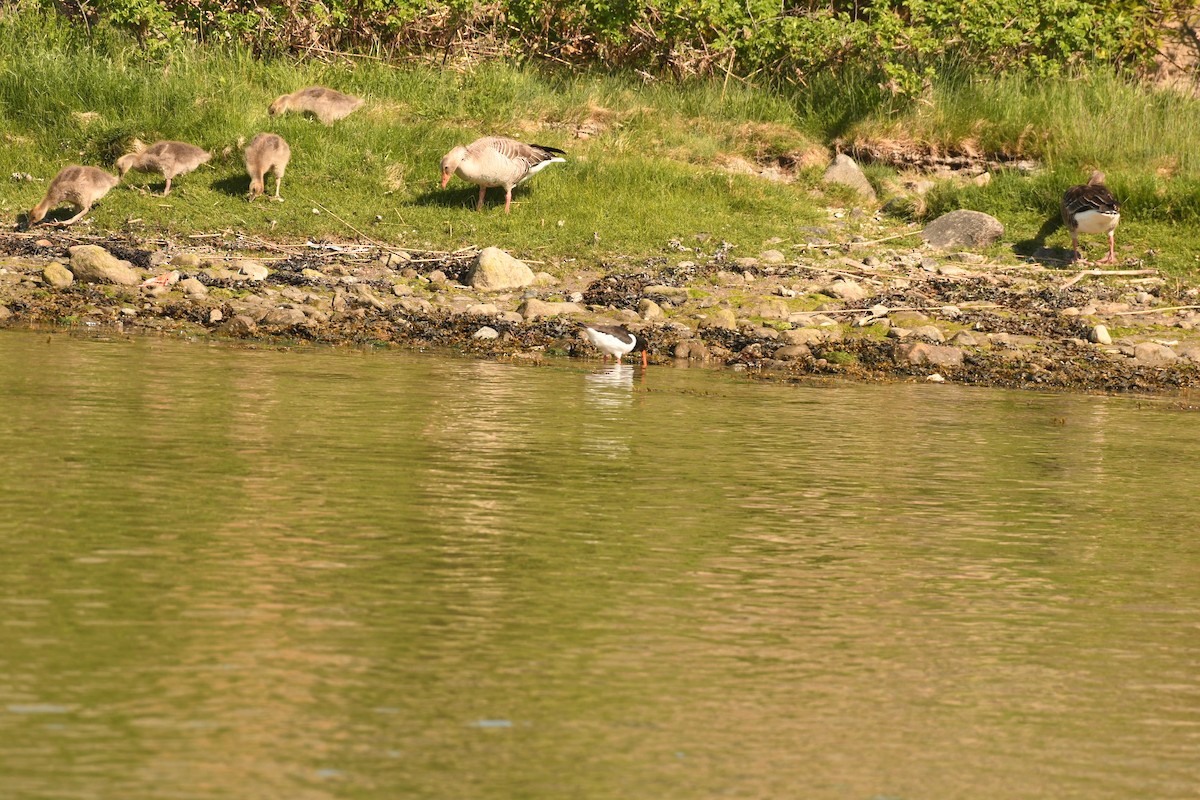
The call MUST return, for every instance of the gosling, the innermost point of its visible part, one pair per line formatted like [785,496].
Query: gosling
[79,186]
[266,152]
[327,105]
[169,159]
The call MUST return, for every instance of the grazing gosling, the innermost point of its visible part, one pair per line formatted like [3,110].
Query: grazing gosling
[79,186]
[327,105]
[1091,208]
[266,152]
[498,161]
[169,159]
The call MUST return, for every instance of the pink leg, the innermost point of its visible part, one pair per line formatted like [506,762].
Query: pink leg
[75,218]
[1112,254]
[167,190]
[479,205]
[508,204]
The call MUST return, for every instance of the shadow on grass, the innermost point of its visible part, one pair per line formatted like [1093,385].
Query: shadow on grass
[452,198]
[1035,248]
[234,185]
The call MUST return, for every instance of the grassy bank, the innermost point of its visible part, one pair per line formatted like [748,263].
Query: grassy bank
[648,161]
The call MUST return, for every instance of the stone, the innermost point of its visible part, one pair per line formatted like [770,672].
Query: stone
[239,326]
[935,378]
[1153,354]
[792,352]
[93,264]
[486,333]
[58,276]
[365,295]
[534,308]
[193,288]
[964,339]
[284,316]
[896,332]
[771,257]
[672,294]
[402,290]
[545,279]
[250,270]
[648,309]
[845,172]
[1100,335]
[411,305]
[215,316]
[720,318]
[850,291]
[930,332]
[771,309]
[937,355]
[908,319]
[804,336]
[5,313]
[693,350]
[963,228]
[879,310]
[186,260]
[496,271]
[482,310]
[438,276]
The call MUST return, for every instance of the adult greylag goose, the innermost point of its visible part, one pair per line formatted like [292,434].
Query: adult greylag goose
[327,105]
[169,159]
[1091,208]
[615,340]
[266,152]
[79,186]
[498,161]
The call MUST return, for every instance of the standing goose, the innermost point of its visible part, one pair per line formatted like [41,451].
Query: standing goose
[615,341]
[266,152]
[498,161]
[169,159]
[1091,208]
[79,186]
[327,105]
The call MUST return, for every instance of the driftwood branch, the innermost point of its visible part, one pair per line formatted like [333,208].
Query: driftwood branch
[1102,272]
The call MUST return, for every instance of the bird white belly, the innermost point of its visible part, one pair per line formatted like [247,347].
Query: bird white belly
[609,344]
[1096,221]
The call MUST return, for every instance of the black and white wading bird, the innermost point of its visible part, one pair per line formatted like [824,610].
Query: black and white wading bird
[1091,208]
[615,341]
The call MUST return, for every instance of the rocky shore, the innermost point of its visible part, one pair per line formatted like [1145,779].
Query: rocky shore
[899,308]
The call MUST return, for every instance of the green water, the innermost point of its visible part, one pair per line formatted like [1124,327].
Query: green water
[236,573]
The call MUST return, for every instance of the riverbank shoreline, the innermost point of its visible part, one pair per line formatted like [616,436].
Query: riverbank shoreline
[877,311]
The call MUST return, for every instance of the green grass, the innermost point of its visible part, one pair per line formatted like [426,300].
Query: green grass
[654,167]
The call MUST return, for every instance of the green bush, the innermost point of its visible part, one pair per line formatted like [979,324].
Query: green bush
[903,43]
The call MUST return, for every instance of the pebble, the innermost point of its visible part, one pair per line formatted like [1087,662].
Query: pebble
[215,316]
[935,378]
[1100,335]
[486,333]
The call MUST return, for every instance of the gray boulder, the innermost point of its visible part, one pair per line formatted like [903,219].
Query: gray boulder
[93,264]
[963,228]
[238,327]
[496,271]
[1153,354]
[846,172]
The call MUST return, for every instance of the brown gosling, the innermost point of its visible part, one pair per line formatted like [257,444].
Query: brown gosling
[169,159]
[1091,208]
[327,105]
[266,152]
[79,186]
[498,161]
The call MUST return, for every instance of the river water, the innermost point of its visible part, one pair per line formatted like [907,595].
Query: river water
[267,573]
